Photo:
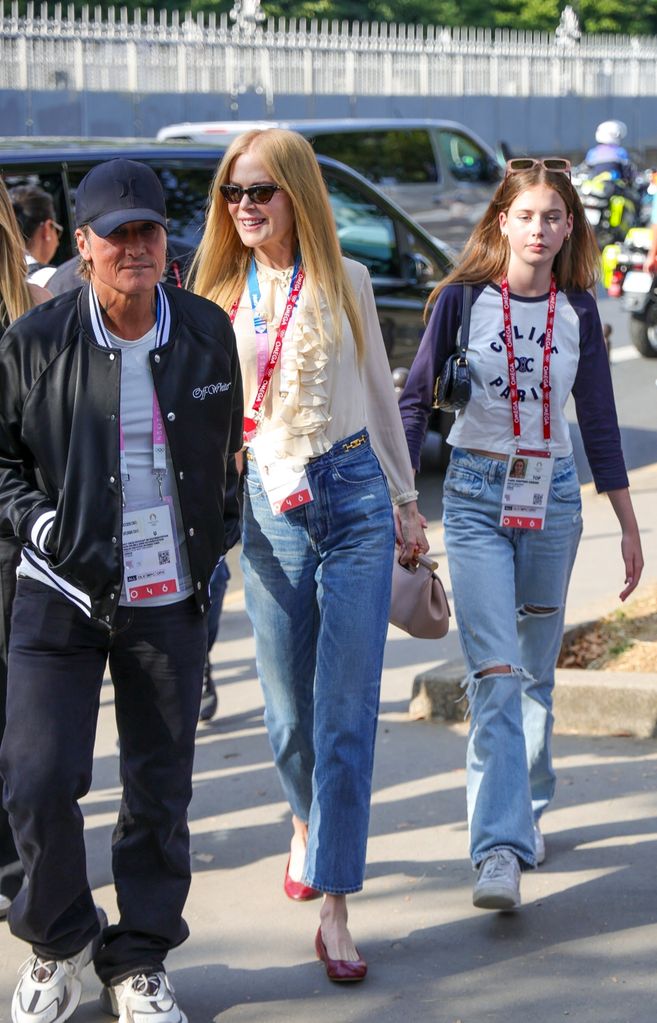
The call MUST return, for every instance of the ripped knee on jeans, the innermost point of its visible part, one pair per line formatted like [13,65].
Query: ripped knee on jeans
[536,610]
[474,678]
[498,669]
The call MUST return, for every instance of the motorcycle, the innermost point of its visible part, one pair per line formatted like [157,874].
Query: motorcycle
[618,256]
[638,291]
[610,204]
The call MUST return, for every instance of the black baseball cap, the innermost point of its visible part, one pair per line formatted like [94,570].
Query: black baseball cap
[117,192]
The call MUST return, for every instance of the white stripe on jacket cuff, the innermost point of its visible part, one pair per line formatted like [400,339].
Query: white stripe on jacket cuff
[41,531]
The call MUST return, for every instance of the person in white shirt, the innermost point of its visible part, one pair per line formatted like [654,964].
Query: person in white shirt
[325,452]
[35,214]
[512,506]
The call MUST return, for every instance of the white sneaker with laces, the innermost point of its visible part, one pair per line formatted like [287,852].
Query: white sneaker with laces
[539,845]
[498,881]
[143,998]
[49,990]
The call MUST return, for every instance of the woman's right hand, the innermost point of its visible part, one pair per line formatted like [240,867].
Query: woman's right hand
[409,530]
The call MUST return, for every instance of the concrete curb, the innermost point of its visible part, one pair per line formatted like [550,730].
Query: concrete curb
[585,702]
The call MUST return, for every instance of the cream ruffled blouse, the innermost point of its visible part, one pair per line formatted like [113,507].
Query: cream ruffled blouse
[319,393]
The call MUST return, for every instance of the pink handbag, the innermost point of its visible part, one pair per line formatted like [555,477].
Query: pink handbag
[418,603]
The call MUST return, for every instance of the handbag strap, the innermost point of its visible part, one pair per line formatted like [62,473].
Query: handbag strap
[463,336]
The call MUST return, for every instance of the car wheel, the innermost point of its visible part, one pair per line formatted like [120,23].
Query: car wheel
[643,332]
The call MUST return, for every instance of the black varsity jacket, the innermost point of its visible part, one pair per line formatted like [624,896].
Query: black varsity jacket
[60,480]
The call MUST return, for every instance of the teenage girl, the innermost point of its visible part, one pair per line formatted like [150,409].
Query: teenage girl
[535,338]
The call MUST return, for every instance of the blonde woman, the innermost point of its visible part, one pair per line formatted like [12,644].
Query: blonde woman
[16,297]
[325,452]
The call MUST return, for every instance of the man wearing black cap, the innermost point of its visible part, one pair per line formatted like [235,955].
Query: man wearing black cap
[120,406]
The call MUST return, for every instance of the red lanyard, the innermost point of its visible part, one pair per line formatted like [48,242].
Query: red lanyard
[292,297]
[511,358]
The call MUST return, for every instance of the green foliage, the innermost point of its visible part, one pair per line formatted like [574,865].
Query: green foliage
[618,17]
[595,16]
[527,15]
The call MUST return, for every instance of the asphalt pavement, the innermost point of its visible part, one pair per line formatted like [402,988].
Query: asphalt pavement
[583,945]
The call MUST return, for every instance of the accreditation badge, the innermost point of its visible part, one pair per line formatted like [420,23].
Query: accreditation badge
[526,489]
[149,552]
[285,483]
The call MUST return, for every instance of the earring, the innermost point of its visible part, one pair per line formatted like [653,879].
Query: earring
[567,238]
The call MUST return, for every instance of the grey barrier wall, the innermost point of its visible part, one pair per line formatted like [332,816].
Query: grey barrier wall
[528,124]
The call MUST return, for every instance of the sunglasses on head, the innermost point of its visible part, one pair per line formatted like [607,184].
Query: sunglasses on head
[259,194]
[556,164]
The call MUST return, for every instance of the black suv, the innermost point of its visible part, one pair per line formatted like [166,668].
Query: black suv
[404,261]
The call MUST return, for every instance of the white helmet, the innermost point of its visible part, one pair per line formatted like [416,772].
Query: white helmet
[610,133]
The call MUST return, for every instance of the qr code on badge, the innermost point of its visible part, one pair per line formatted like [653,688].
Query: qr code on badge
[538,499]
[163,557]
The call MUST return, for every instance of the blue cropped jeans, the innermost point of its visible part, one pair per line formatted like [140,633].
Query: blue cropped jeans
[317,587]
[509,589]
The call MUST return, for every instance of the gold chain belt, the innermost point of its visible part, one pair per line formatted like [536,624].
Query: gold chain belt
[356,443]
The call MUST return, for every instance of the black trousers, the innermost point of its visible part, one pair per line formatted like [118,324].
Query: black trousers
[57,658]
[10,553]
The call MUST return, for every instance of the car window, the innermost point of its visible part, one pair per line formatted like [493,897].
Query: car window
[384,157]
[423,263]
[365,231]
[464,159]
[186,189]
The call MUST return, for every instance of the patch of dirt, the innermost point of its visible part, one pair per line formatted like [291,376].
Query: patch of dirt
[623,641]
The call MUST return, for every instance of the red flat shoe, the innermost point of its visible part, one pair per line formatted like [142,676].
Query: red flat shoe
[297,890]
[340,970]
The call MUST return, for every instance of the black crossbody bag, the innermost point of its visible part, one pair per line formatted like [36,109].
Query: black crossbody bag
[452,388]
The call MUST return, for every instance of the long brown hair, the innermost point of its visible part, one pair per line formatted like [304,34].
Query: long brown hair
[15,298]
[485,257]
[220,267]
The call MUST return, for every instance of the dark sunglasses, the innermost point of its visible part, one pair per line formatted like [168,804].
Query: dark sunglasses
[259,194]
[556,164]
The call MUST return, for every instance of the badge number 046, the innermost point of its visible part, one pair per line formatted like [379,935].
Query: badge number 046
[526,489]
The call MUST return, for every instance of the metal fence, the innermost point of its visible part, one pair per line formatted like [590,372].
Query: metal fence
[160,52]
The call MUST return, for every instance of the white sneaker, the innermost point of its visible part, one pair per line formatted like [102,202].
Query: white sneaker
[498,882]
[143,998]
[539,845]
[49,990]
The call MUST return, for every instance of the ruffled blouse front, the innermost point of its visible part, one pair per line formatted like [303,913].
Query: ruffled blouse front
[319,393]
[302,409]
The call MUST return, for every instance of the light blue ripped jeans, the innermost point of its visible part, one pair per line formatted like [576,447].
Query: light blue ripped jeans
[509,589]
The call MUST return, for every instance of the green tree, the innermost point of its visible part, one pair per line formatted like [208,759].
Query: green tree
[529,15]
[617,16]
[595,16]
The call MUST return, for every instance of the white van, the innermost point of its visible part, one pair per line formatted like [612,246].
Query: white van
[439,171]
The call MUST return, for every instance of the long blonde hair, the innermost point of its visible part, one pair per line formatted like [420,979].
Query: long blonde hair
[220,267]
[15,298]
[485,257]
